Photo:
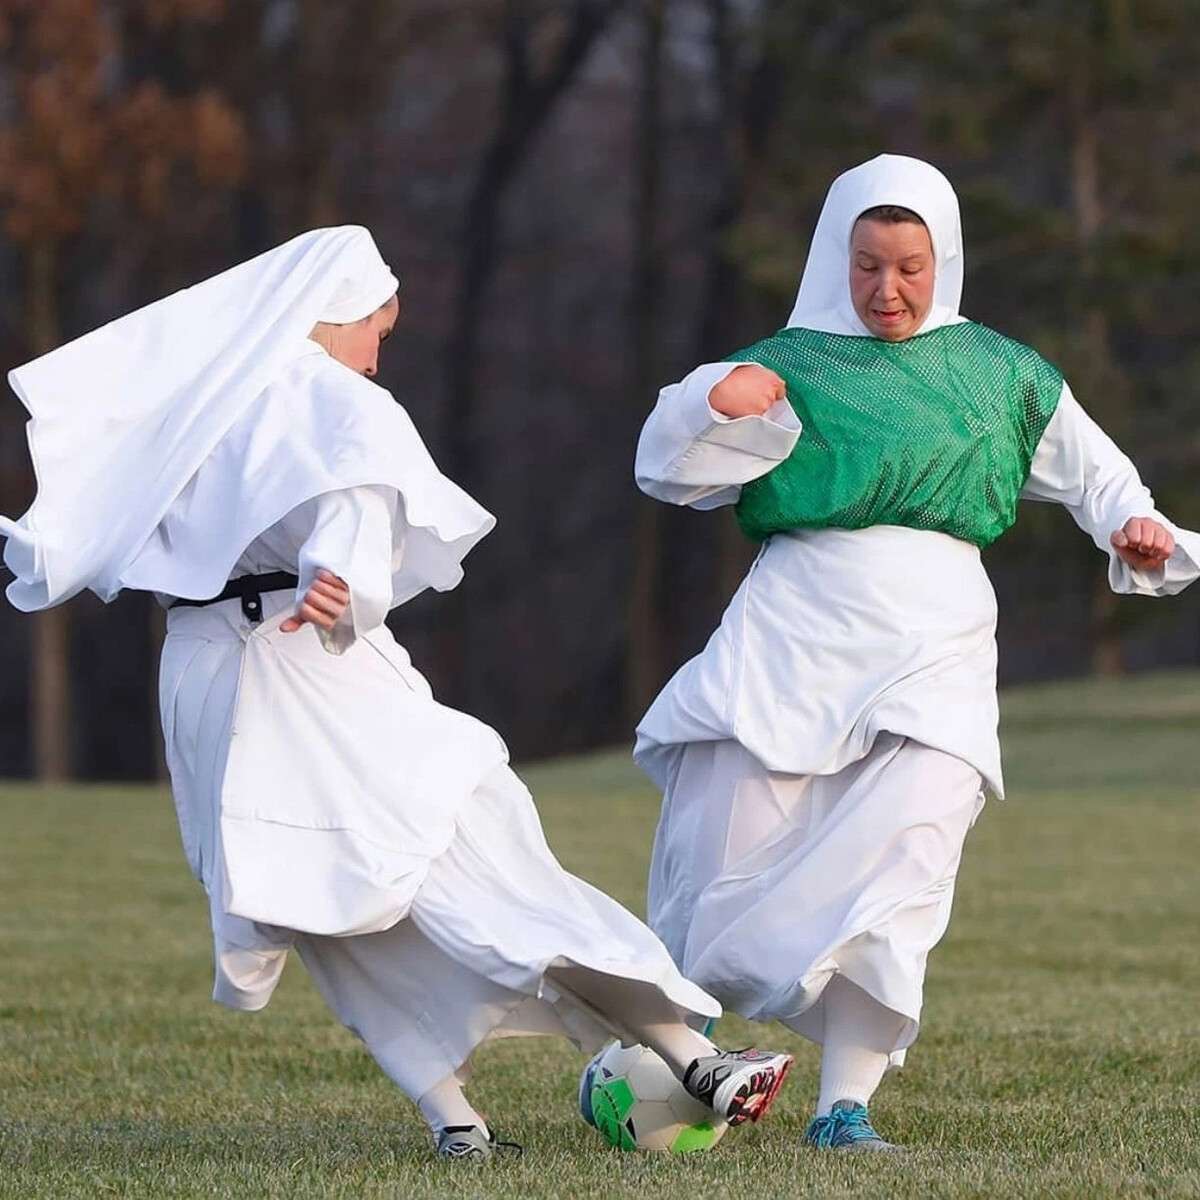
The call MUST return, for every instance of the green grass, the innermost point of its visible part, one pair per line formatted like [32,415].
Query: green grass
[1059,1055]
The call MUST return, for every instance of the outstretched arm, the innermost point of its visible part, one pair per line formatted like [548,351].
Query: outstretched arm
[1079,466]
[720,427]
[346,566]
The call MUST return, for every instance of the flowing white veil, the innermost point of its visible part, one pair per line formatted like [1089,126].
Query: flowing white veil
[123,417]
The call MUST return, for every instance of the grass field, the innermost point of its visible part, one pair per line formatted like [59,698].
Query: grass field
[1060,1053]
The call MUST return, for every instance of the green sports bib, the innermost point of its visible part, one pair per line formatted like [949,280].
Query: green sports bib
[936,432]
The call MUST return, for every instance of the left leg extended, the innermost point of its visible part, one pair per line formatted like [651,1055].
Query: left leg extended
[739,1085]
[420,1014]
[499,902]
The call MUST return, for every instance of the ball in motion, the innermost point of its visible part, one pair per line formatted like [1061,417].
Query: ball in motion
[630,1095]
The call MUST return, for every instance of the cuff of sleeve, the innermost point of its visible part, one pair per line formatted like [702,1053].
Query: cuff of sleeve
[696,413]
[339,639]
[773,435]
[1180,570]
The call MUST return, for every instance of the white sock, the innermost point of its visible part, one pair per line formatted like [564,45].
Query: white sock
[677,1044]
[637,1010]
[860,1035]
[446,1104]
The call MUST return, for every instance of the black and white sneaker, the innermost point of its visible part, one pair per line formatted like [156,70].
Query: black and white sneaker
[738,1085]
[469,1141]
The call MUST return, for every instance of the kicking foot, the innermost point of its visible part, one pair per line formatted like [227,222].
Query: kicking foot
[738,1085]
[847,1127]
[469,1141]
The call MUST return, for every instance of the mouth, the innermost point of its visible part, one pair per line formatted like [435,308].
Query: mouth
[889,316]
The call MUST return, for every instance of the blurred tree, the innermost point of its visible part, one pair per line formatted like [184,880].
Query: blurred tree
[543,45]
[71,135]
[748,77]
[1076,123]
[491,140]
[1071,130]
[644,670]
[339,64]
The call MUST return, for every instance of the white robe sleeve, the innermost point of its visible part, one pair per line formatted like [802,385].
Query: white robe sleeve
[1078,465]
[690,454]
[353,536]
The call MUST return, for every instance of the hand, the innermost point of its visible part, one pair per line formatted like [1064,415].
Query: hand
[324,603]
[747,391]
[1143,544]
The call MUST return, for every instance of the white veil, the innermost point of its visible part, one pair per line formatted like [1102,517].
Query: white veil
[823,301]
[124,416]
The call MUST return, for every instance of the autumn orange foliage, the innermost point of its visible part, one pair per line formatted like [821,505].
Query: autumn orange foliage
[76,132]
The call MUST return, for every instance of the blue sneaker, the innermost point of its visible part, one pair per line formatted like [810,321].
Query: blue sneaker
[847,1127]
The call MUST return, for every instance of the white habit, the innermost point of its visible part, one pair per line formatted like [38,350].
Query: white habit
[326,801]
[822,758]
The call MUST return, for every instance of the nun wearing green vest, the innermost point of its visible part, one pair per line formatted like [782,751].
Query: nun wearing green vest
[824,756]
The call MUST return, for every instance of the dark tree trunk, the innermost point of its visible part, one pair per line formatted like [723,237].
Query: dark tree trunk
[50,656]
[745,96]
[526,103]
[644,669]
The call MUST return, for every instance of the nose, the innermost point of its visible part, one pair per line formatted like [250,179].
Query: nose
[888,283]
[371,369]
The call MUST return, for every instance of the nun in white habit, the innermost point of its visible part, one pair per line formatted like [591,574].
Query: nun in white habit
[825,755]
[226,449]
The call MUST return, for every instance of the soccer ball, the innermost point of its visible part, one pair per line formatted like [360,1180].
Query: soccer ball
[630,1095]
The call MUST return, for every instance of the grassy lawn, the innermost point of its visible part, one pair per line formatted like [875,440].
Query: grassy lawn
[1059,1054]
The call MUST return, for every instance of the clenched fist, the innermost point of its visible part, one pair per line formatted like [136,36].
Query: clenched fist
[1143,544]
[747,391]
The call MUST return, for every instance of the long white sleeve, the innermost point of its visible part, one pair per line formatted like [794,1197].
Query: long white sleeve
[353,536]
[1078,465]
[690,454]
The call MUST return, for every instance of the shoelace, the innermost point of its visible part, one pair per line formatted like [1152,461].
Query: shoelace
[494,1143]
[841,1126]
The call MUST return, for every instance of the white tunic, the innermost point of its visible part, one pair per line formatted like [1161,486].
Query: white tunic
[821,758]
[838,635]
[321,790]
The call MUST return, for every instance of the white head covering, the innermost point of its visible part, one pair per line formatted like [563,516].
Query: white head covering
[823,301]
[123,417]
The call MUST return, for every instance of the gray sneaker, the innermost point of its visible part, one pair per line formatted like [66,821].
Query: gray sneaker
[469,1141]
[738,1085]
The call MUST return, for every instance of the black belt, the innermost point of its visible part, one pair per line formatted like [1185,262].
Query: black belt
[249,589]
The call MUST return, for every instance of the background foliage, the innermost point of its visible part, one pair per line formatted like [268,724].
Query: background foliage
[584,198]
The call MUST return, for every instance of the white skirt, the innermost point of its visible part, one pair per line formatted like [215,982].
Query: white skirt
[329,802]
[493,946]
[763,885]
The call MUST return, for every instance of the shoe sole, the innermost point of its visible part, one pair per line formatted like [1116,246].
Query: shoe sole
[751,1101]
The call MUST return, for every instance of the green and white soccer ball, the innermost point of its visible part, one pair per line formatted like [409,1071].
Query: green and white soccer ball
[630,1095]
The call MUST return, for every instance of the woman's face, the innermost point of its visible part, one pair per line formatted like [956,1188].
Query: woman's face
[357,345]
[891,277]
